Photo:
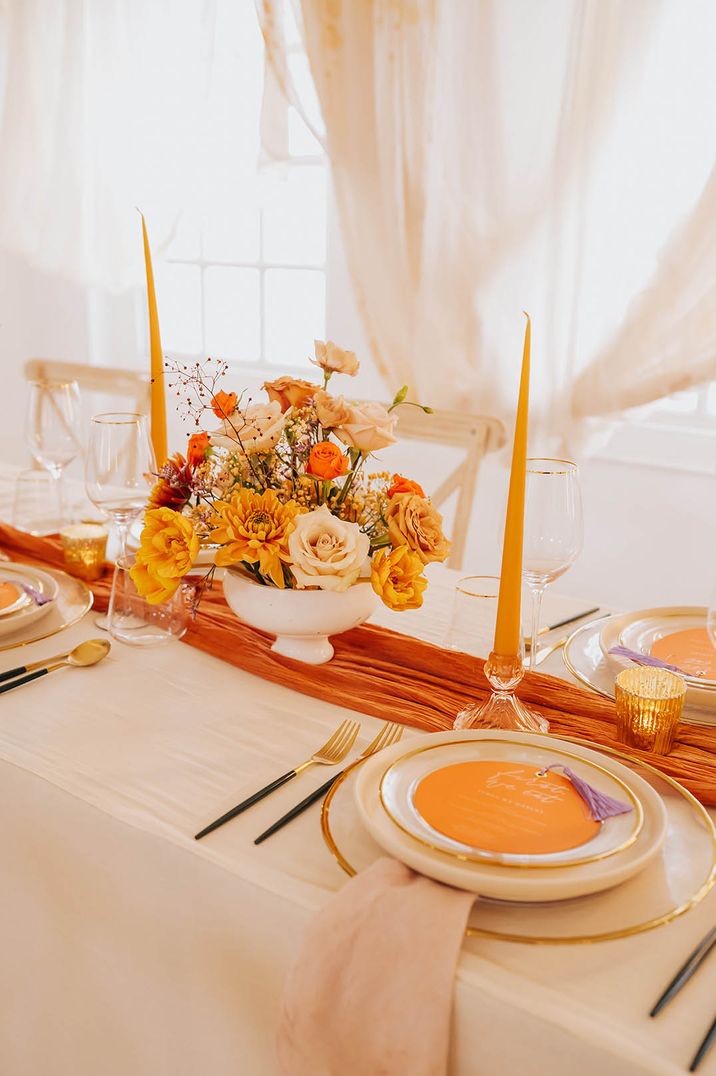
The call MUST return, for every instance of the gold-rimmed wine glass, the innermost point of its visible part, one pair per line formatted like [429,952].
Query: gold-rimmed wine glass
[554,529]
[52,433]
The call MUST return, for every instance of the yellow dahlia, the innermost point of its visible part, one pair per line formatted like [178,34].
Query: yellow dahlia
[253,528]
[167,550]
[396,577]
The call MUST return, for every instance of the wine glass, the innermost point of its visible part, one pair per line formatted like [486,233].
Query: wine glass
[553,529]
[119,469]
[52,433]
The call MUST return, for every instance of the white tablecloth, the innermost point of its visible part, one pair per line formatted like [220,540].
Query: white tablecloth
[128,949]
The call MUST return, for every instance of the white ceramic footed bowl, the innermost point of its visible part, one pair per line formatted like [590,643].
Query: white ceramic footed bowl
[301,620]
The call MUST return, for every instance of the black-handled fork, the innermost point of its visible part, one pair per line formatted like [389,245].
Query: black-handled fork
[389,734]
[333,751]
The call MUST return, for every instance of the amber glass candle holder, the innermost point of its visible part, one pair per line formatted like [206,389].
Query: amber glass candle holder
[649,704]
[84,546]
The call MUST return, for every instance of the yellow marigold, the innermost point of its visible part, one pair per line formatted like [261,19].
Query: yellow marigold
[253,528]
[167,550]
[396,577]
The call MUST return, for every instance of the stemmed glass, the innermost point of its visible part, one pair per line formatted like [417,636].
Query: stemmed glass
[52,433]
[119,470]
[553,529]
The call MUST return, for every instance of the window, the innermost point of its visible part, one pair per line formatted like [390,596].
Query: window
[244,279]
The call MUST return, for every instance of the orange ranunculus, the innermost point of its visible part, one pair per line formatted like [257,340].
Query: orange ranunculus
[290,391]
[404,485]
[326,461]
[224,404]
[196,449]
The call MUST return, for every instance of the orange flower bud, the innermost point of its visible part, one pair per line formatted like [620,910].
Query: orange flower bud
[404,485]
[196,449]
[224,404]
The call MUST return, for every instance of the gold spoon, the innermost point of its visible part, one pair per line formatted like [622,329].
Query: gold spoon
[87,653]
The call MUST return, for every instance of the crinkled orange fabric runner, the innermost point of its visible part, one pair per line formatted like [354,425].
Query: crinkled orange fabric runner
[396,677]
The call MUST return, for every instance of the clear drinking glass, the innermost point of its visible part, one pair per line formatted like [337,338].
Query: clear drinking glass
[554,529]
[130,617]
[474,612]
[119,471]
[52,434]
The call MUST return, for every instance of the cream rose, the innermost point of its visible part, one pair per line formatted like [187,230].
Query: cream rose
[333,359]
[327,552]
[369,427]
[332,411]
[256,429]
[413,521]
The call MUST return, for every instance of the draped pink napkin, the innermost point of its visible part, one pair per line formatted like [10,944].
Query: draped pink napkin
[371,992]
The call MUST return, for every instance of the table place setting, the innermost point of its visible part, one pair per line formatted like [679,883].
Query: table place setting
[537,812]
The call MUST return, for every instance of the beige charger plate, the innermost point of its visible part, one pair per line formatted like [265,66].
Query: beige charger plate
[73,600]
[687,864]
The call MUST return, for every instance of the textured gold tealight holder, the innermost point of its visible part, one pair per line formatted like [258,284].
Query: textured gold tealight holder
[649,703]
[84,546]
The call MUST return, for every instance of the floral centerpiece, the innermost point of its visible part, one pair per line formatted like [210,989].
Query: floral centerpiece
[283,493]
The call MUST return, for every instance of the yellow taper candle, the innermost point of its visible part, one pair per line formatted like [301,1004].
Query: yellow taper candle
[158,412]
[507,628]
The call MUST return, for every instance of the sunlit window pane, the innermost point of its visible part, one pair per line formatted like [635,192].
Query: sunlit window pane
[295,314]
[179,302]
[295,218]
[232,313]
[232,235]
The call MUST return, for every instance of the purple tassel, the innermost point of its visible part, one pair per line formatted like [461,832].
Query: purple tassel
[644,659]
[600,805]
[37,597]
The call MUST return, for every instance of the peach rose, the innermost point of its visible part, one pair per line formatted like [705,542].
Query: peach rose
[326,461]
[413,521]
[404,485]
[290,391]
[334,360]
[332,410]
[326,551]
[257,429]
[368,428]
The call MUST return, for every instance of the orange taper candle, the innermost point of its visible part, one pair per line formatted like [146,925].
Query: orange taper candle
[158,412]
[507,628]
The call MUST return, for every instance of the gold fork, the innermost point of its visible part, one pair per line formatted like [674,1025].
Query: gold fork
[333,751]
[389,734]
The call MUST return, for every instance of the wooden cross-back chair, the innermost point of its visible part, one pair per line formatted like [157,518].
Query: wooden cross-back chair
[477,435]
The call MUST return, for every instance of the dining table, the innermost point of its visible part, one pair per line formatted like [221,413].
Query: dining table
[131,949]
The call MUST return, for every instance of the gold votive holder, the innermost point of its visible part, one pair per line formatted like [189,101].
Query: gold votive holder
[649,704]
[84,546]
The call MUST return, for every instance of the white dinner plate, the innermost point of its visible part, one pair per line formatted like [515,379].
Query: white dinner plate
[584,656]
[541,884]
[28,612]
[400,782]
[640,630]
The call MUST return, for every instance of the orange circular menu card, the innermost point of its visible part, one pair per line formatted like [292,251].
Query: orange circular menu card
[505,807]
[9,593]
[691,651]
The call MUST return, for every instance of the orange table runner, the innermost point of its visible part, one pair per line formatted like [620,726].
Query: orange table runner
[399,678]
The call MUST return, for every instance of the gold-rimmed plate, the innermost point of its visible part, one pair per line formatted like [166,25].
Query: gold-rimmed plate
[400,781]
[73,599]
[671,885]
[503,882]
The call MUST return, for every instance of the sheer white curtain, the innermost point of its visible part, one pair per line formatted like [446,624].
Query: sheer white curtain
[102,108]
[490,157]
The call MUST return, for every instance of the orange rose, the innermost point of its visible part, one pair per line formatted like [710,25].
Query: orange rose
[290,391]
[224,404]
[327,461]
[404,485]
[196,449]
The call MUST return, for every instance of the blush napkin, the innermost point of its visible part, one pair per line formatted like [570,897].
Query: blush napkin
[371,991]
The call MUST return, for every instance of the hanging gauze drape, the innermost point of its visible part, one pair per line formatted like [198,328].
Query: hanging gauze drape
[101,108]
[490,156]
